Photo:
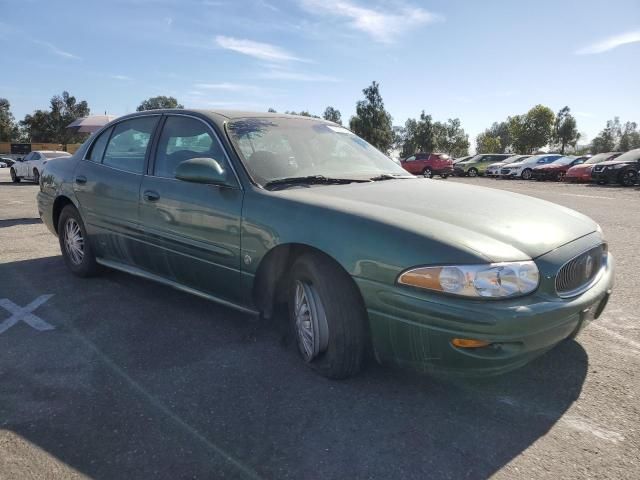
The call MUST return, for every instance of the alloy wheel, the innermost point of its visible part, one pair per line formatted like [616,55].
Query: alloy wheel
[473,172]
[73,241]
[526,175]
[427,173]
[629,178]
[311,325]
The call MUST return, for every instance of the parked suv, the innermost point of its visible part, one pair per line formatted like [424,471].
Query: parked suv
[582,173]
[429,164]
[622,170]
[30,167]
[524,169]
[557,169]
[478,164]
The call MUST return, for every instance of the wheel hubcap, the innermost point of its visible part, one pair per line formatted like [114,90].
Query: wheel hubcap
[311,321]
[73,241]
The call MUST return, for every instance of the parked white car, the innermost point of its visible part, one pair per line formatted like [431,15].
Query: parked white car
[493,170]
[523,169]
[30,167]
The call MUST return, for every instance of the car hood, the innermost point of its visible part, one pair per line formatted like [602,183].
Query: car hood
[614,162]
[498,225]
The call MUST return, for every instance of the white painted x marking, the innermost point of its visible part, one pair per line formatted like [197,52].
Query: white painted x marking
[24,314]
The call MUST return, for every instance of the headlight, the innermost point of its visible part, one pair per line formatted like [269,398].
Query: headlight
[495,280]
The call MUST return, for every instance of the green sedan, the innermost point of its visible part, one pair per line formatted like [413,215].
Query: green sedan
[258,211]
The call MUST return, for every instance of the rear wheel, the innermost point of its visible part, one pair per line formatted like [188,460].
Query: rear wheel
[14,177]
[472,172]
[560,177]
[427,173]
[74,244]
[327,317]
[629,178]
[526,174]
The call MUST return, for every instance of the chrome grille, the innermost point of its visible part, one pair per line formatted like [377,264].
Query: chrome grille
[578,274]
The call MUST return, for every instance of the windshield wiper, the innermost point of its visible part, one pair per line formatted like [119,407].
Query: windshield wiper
[390,176]
[311,180]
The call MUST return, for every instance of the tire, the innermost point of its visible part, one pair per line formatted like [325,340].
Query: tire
[334,314]
[472,172]
[601,182]
[427,173]
[526,174]
[14,177]
[36,176]
[561,177]
[82,263]
[444,177]
[629,178]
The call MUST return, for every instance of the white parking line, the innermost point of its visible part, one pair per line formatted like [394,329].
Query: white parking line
[586,196]
[24,314]
[621,338]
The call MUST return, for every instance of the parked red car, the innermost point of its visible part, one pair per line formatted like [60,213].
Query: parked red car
[429,164]
[557,170]
[582,173]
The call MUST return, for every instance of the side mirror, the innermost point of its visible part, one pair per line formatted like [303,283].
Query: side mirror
[19,159]
[201,170]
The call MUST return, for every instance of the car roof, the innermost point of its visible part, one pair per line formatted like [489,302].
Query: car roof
[50,151]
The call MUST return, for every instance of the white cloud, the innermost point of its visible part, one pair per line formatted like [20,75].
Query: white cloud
[53,49]
[228,87]
[263,51]
[382,26]
[120,77]
[610,43]
[278,74]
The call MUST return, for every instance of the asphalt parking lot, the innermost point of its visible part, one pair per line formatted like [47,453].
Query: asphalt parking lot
[118,377]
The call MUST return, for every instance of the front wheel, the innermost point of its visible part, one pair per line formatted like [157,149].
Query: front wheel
[14,177]
[427,173]
[327,316]
[526,174]
[472,172]
[629,178]
[36,176]
[74,244]
[561,177]
[444,177]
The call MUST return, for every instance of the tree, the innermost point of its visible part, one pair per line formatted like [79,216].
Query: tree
[487,143]
[607,139]
[155,103]
[449,137]
[371,121]
[565,131]
[272,110]
[302,113]
[629,137]
[532,130]
[333,115]
[8,128]
[51,126]
[419,135]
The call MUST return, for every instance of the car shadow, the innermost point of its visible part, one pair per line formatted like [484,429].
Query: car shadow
[138,380]
[23,183]
[10,222]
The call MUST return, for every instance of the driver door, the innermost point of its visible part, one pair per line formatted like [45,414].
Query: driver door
[192,230]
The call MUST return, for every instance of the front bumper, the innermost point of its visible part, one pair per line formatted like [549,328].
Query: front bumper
[578,177]
[414,328]
[605,176]
[544,174]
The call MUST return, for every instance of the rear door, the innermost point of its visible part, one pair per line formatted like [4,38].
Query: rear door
[411,165]
[21,167]
[107,185]
[192,230]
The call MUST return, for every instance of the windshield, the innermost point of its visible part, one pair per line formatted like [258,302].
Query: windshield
[51,155]
[601,157]
[563,161]
[630,156]
[516,159]
[276,148]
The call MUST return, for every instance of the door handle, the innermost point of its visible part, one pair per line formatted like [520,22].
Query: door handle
[151,196]
[81,179]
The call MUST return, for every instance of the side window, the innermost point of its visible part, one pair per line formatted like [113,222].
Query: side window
[128,145]
[97,149]
[28,157]
[35,156]
[184,138]
[411,158]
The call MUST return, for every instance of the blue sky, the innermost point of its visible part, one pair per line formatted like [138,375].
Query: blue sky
[479,60]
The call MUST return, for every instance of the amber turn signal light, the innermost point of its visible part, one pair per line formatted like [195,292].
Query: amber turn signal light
[469,343]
